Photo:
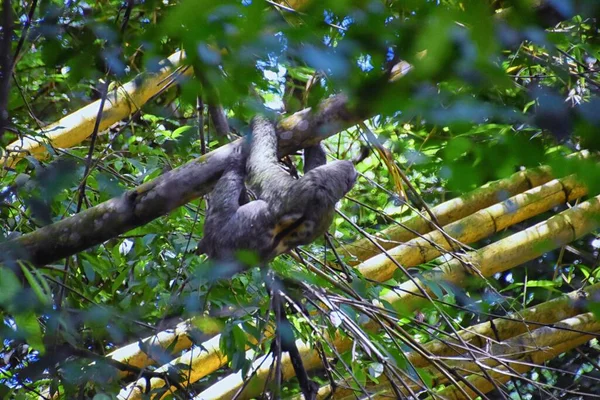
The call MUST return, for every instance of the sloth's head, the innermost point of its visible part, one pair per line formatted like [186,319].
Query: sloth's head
[334,180]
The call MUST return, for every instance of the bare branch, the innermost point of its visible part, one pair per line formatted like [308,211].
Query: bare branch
[5,62]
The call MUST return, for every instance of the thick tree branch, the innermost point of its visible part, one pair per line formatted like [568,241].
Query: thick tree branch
[167,192]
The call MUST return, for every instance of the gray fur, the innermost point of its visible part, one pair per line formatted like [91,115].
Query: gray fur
[288,212]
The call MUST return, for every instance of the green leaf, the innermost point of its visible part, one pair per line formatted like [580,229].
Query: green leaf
[179,131]
[426,377]
[9,286]
[38,284]
[29,327]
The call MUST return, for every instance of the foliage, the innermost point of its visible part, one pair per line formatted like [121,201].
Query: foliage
[494,87]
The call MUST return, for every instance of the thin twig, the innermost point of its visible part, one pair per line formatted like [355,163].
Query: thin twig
[6,63]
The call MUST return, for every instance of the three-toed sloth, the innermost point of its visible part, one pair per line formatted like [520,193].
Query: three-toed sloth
[287,213]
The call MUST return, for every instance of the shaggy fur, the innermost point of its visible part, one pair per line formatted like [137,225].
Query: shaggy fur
[288,212]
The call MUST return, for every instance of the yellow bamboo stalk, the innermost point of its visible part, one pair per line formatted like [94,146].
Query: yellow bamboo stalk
[73,129]
[176,340]
[519,353]
[502,374]
[484,334]
[497,257]
[548,343]
[222,389]
[519,348]
[474,227]
[447,212]
[506,253]
[516,323]
[199,361]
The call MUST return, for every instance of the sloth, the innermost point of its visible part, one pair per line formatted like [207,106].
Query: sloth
[287,212]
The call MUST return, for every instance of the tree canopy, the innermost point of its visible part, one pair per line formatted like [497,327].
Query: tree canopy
[462,264]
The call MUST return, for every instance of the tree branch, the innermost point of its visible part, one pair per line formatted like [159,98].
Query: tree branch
[175,188]
[219,119]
